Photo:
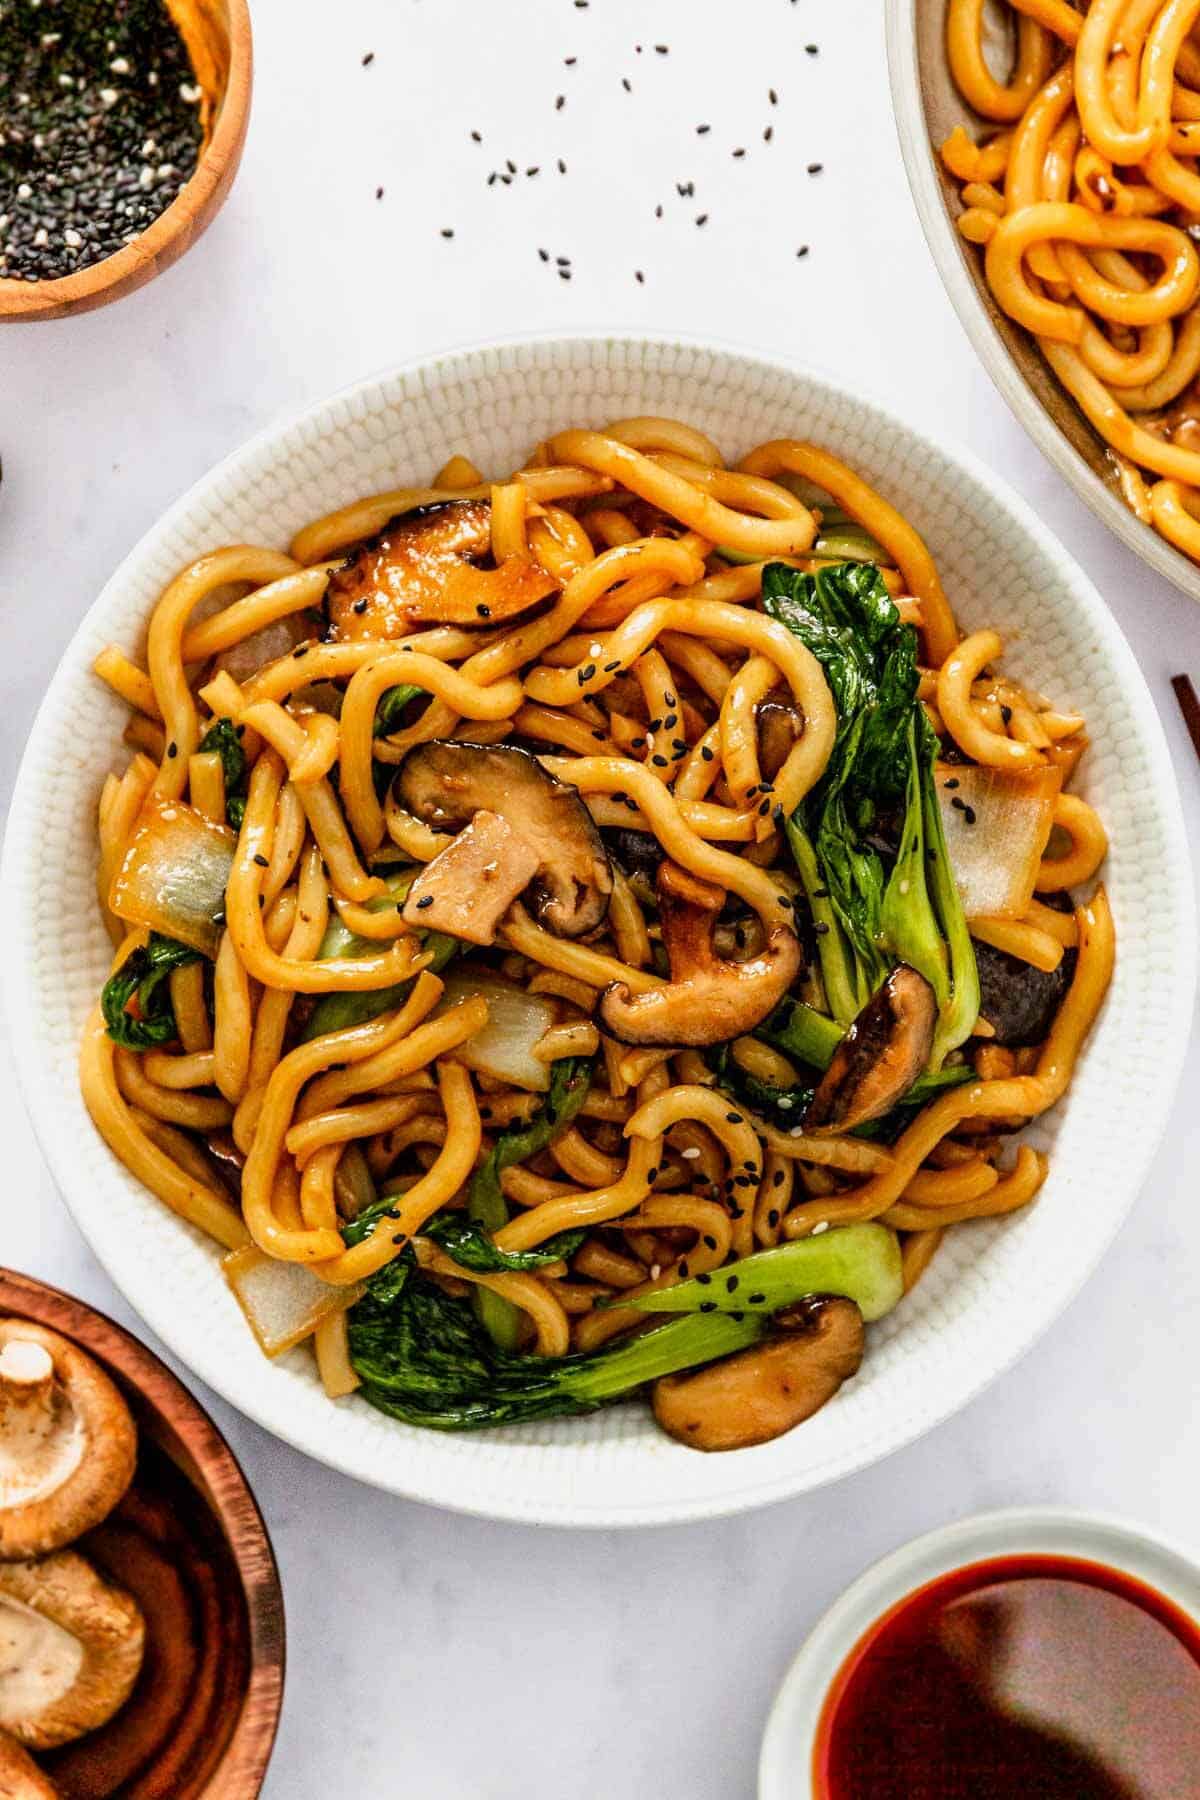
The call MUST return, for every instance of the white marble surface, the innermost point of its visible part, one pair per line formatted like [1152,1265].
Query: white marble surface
[429,1654]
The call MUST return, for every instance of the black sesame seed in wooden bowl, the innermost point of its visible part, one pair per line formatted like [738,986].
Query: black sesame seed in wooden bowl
[121,127]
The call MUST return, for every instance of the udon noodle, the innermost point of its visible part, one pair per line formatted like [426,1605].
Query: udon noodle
[334,997]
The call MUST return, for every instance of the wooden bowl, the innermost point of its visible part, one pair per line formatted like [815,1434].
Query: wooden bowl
[189,1488]
[928,106]
[217,35]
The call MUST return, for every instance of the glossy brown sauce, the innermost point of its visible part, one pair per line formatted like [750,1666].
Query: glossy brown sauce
[1021,1678]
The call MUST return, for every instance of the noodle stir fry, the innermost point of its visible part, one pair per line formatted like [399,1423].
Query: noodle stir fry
[1085,200]
[609,892]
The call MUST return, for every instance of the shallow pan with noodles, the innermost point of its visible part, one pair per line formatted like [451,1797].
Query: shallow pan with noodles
[928,106]
[992,1288]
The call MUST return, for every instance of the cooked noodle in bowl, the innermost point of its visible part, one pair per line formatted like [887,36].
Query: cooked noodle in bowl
[590,929]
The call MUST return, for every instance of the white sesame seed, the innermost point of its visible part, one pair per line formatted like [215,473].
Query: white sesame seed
[149,148]
[3,221]
[691,1153]
[50,38]
[72,239]
[655,1271]
[189,91]
[152,78]
[595,649]
[66,81]
[39,141]
[164,171]
[819,1227]
[146,178]
[109,96]
[41,237]
[24,192]
[119,65]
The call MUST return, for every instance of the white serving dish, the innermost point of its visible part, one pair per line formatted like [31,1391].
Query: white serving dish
[927,106]
[992,1288]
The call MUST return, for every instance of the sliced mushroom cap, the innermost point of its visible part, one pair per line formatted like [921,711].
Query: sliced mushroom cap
[67,1441]
[469,886]
[423,569]
[707,1000]
[70,1649]
[1018,1001]
[20,1777]
[446,783]
[760,1393]
[779,727]
[880,1056]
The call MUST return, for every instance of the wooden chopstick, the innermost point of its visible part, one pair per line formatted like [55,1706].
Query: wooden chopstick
[1189,706]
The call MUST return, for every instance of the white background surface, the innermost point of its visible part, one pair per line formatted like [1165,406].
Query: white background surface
[429,1654]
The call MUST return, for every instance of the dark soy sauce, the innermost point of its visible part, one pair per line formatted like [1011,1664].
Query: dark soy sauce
[1022,1678]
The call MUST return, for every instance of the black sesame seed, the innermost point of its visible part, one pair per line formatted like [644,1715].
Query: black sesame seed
[424,901]
[734,1118]
[778,1179]
[773,1217]
[701,130]
[768,134]
[545,255]
[511,166]
[707,1306]
[731,1283]
[803,250]
[706,753]
[447,232]
[670,700]
[661,49]
[952,783]
[683,1271]
[360,606]
[815,168]
[660,762]
[476,137]
[560,102]
[820,929]
[756,1299]
[535,169]
[562,167]
[262,861]
[706,1280]
[172,751]
[739,152]
[379,193]
[570,61]
[627,84]
[811,49]
[586,673]
[564,274]
[711,1243]
[610,666]
[368,59]
[772,96]
[484,611]
[658,212]
[639,277]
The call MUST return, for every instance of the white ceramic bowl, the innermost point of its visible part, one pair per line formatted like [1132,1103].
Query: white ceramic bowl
[921,88]
[790,1739]
[991,1289]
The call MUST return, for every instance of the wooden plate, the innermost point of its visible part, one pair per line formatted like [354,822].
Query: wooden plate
[928,106]
[217,35]
[189,1504]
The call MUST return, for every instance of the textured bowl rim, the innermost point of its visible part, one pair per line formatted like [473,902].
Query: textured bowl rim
[943,243]
[441,1486]
[790,1735]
